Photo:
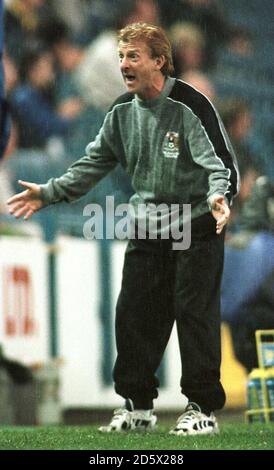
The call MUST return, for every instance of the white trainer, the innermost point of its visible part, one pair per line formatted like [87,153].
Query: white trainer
[136,420]
[193,422]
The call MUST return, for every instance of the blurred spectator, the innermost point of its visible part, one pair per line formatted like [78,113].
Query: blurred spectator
[30,102]
[103,15]
[88,18]
[188,45]
[237,119]
[22,19]
[141,10]
[74,14]
[258,211]
[207,15]
[201,82]
[240,42]
[69,53]
[236,58]
[11,81]
[11,73]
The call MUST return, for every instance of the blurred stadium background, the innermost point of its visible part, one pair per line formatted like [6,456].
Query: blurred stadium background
[58,290]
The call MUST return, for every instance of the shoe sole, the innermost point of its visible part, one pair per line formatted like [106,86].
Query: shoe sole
[104,429]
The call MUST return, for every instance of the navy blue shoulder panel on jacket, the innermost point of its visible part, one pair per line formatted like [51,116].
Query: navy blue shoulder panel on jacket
[204,110]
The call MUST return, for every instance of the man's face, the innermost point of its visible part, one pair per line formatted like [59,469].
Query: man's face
[138,68]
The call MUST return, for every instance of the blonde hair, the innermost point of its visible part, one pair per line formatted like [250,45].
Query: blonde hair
[154,37]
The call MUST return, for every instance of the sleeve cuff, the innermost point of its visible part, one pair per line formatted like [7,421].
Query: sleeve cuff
[211,199]
[47,194]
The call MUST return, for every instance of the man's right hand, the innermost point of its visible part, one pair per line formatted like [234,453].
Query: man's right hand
[27,202]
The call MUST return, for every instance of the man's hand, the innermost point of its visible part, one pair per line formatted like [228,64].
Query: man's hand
[27,202]
[220,212]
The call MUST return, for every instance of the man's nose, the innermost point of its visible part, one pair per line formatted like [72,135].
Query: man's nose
[124,63]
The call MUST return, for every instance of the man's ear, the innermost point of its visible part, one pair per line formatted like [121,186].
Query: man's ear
[160,61]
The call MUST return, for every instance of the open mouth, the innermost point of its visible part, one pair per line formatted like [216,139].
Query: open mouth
[129,78]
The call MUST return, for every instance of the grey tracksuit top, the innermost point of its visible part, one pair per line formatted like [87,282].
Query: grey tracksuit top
[174,148]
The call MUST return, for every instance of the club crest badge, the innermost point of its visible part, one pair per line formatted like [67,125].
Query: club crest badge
[171,145]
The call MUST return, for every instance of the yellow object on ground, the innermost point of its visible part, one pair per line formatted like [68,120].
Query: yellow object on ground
[233,374]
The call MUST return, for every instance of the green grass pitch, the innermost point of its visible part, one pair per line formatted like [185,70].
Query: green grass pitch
[232,436]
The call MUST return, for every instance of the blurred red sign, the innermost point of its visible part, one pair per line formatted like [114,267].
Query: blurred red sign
[18,301]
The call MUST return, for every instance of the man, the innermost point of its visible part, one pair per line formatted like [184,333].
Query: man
[160,285]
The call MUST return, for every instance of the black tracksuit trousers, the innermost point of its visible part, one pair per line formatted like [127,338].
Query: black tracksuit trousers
[160,286]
